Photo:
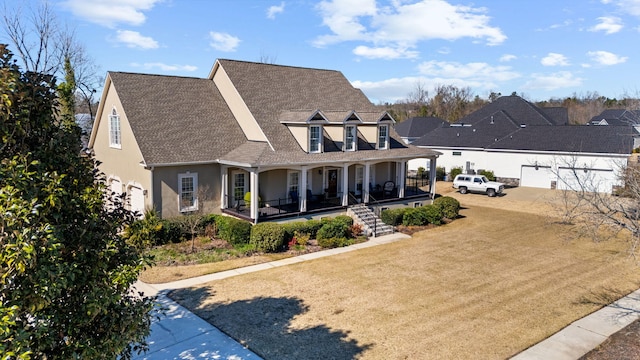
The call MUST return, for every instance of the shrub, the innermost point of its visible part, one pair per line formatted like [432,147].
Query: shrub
[172,231]
[268,237]
[422,172]
[414,217]
[432,214]
[334,242]
[234,231]
[146,232]
[449,206]
[440,173]
[488,173]
[392,217]
[456,170]
[356,230]
[333,229]
[344,219]
[309,227]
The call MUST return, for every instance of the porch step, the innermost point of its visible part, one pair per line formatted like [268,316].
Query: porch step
[371,223]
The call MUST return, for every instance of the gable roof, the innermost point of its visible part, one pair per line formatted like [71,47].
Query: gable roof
[520,111]
[617,117]
[418,126]
[177,119]
[269,89]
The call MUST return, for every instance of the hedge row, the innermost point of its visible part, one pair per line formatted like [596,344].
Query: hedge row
[442,208]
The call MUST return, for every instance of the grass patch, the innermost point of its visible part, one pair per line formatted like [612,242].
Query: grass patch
[488,286]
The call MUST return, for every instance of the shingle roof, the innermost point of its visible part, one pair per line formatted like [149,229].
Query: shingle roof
[418,126]
[519,110]
[617,117]
[570,138]
[177,119]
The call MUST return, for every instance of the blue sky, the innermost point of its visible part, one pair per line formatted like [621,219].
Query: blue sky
[540,49]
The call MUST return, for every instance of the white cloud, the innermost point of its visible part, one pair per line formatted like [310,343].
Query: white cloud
[554,59]
[110,13]
[606,58]
[507,57]
[557,80]
[608,24]
[134,39]
[631,7]
[165,67]
[475,71]
[403,24]
[387,53]
[274,10]
[223,41]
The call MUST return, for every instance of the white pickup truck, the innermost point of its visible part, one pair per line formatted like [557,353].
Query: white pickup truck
[477,183]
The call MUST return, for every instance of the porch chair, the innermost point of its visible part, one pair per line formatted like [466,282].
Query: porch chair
[388,188]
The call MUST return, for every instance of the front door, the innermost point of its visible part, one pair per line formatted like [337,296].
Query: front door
[332,188]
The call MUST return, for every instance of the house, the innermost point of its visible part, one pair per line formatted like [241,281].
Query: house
[617,117]
[530,146]
[252,140]
[416,127]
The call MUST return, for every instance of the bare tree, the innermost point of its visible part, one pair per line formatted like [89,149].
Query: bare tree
[43,44]
[193,219]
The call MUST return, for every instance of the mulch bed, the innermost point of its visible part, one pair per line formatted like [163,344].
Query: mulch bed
[623,345]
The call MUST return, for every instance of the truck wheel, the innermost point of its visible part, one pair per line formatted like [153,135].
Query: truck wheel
[463,189]
[491,192]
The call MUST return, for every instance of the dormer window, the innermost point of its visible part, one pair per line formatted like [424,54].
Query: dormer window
[115,140]
[315,139]
[383,137]
[350,138]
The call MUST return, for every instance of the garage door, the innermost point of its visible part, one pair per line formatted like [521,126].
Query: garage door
[600,180]
[136,199]
[536,176]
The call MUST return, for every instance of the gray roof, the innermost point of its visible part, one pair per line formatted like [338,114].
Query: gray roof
[570,138]
[418,126]
[520,111]
[617,117]
[177,119]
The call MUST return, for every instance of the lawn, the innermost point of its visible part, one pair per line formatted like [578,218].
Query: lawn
[485,286]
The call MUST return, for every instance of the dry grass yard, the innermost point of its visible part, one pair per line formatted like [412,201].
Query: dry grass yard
[486,286]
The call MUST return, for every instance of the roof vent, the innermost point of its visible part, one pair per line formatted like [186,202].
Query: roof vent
[491,120]
[523,125]
[458,134]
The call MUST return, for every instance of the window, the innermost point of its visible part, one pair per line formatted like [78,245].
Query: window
[114,129]
[383,136]
[359,179]
[314,139]
[457,153]
[293,185]
[349,138]
[188,192]
[239,185]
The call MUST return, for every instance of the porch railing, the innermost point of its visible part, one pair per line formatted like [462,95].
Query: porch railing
[376,212]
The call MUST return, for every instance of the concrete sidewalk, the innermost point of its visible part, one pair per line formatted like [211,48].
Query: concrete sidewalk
[179,334]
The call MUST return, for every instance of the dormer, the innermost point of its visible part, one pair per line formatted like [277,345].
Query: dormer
[385,121]
[307,128]
[350,125]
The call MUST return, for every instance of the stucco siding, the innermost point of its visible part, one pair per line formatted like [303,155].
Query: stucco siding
[369,132]
[165,188]
[123,163]
[301,134]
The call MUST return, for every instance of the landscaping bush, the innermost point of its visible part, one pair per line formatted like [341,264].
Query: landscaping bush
[449,206]
[146,232]
[173,231]
[334,242]
[456,170]
[234,231]
[488,173]
[344,219]
[432,214]
[440,173]
[309,227]
[392,217]
[268,237]
[333,229]
[414,217]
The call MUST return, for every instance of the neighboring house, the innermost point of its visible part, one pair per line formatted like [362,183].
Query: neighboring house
[296,139]
[413,129]
[617,117]
[530,146]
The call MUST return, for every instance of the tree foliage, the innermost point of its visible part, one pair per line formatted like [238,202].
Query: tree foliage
[66,272]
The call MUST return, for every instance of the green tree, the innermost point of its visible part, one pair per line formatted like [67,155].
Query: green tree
[66,273]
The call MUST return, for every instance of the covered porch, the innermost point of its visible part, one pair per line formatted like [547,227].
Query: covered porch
[262,194]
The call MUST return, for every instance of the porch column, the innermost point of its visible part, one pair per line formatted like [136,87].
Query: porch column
[253,181]
[365,183]
[303,189]
[402,178]
[345,185]
[432,176]
[224,187]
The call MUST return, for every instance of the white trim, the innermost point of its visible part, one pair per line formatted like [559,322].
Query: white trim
[234,173]
[290,184]
[319,150]
[354,140]
[115,135]
[194,206]
[386,137]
